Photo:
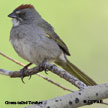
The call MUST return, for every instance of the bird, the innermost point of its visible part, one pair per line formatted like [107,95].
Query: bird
[36,41]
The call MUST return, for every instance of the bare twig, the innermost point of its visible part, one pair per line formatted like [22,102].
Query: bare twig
[42,76]
[52,68]
[62,73]
[53,82]
[11,59]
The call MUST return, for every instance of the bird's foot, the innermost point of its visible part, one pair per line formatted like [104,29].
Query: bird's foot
[44,66]
[23,71]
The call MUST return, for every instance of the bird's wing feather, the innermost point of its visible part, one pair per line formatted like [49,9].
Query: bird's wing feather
[52,35]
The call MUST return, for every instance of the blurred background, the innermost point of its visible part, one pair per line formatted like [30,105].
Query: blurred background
[82,24]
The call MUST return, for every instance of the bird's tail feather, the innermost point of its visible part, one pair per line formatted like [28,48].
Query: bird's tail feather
[72,69]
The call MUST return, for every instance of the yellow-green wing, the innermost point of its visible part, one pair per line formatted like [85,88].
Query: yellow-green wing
[52,35]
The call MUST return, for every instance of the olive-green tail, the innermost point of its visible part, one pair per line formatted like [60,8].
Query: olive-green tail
[72,69]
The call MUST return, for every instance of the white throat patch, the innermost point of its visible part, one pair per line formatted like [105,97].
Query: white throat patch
[15,22]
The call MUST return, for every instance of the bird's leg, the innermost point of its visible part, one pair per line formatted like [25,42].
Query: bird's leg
[43,66]
[23,70]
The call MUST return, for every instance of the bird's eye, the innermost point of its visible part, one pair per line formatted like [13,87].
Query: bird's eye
[21,15]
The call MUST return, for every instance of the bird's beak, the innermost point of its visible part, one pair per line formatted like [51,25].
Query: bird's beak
[12,15]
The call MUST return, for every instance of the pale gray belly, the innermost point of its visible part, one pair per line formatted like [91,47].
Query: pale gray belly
[36,52]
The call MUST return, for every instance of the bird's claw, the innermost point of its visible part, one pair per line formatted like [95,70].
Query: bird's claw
[22,79]
[29,77]
[22,71]
[44,66]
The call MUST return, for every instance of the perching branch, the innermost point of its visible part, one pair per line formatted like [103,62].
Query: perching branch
[89,95]
[62,73]
[42,76]
[50,67]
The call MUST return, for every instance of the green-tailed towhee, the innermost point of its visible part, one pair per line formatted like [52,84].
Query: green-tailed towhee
[35,40]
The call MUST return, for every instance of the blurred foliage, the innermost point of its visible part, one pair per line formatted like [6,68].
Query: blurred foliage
[82,24]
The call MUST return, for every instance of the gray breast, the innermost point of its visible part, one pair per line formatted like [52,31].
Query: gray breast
[32,44]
